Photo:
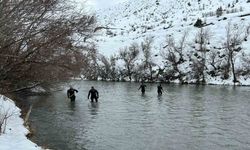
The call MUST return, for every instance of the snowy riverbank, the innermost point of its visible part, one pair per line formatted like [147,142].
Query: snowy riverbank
[13,135]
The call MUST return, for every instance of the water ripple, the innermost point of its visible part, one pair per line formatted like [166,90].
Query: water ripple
[186,117]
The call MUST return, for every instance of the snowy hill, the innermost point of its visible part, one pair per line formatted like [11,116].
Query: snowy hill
[161,20]
[137,19]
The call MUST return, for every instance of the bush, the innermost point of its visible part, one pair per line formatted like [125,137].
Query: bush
[219,11]
[198,23]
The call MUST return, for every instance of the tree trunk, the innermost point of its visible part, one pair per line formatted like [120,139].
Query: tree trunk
[233,68]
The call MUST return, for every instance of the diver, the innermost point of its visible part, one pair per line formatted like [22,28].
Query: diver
[159,89]
[71,94]
[94,95]
[142,87]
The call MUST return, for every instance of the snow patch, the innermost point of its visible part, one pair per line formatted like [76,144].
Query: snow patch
[15,133]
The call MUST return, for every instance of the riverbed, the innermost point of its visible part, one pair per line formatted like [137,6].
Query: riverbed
[186,117]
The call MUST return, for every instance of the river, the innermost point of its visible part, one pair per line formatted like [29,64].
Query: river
[185,117]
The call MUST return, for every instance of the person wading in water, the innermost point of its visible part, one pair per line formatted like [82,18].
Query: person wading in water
[159,89]
[71,94]
[142,87]
[93,93]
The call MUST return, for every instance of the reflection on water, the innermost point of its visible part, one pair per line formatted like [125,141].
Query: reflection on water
[184,117]
[93,108]
[72,106]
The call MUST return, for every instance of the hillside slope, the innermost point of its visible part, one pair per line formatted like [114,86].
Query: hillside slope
[161,20]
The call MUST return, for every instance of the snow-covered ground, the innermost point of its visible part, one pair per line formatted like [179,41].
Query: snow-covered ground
[14,136]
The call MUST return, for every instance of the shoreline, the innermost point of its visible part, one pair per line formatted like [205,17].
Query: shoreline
[16,130]
[246,83]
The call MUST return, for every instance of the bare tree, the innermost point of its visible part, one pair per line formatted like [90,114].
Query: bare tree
[215,60]
[202,40]
[174,54]
[107,68]
[148,63]
[114,71]
[40,42]
[234,39]
[129,55]
[140,74]
[91,68]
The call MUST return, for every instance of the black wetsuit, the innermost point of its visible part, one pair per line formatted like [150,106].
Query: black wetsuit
[71,94]
[142,87]
[159,90]
[94,95]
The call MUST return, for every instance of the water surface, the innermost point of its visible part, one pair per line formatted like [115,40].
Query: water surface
[186,117]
